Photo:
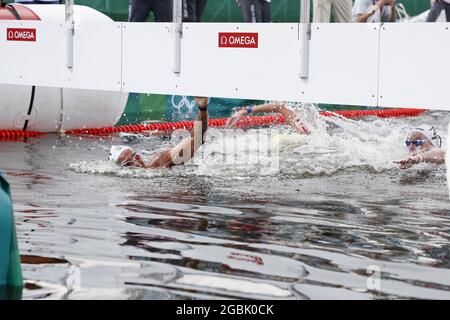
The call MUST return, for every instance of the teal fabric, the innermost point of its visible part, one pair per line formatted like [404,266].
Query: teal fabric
[5,234]
[11,280]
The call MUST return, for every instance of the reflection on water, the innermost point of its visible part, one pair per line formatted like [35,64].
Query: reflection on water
[326,226]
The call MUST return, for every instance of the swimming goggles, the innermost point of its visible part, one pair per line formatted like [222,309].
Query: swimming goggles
[417,143]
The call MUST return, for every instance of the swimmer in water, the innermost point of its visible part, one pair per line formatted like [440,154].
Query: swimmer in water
[424,145]
[180,154]
[276,107]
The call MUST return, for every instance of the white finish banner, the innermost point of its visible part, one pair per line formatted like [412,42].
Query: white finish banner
[42,61]
[388,65]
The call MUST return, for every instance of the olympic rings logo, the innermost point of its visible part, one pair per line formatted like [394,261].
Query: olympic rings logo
[178,102]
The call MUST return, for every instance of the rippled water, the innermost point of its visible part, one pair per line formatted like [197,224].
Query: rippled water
[337,220]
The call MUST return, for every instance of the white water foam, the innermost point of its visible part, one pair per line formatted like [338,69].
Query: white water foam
[335,144]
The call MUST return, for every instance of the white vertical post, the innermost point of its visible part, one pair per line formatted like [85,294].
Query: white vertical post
[177,33]
[305,37]
[70,26]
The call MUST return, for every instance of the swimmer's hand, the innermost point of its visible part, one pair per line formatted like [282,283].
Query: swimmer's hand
[202,102]
[236,117]
[409,162]
[299,126]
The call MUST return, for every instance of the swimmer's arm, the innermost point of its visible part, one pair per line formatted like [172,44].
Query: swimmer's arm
[433,156]
[186,149]
[408,162]
[289,115]
[161,160]
[201,125]
[277,107]
[180,154]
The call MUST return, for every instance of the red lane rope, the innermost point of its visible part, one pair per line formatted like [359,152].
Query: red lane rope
[246,122]
[387,113]
[16,135]
[11,135]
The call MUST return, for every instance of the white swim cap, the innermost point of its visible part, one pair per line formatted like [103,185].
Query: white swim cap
[430,133]
[116,151]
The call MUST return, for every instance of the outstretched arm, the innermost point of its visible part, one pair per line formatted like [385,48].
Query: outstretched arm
[184,152]
[436,156]
[278,107]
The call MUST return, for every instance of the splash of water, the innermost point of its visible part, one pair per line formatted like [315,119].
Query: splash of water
[335,144]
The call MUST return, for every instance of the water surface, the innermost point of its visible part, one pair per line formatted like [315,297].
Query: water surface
[336,211]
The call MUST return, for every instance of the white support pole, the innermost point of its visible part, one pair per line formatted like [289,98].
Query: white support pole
[70,26]
[177,33]
[305,37]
